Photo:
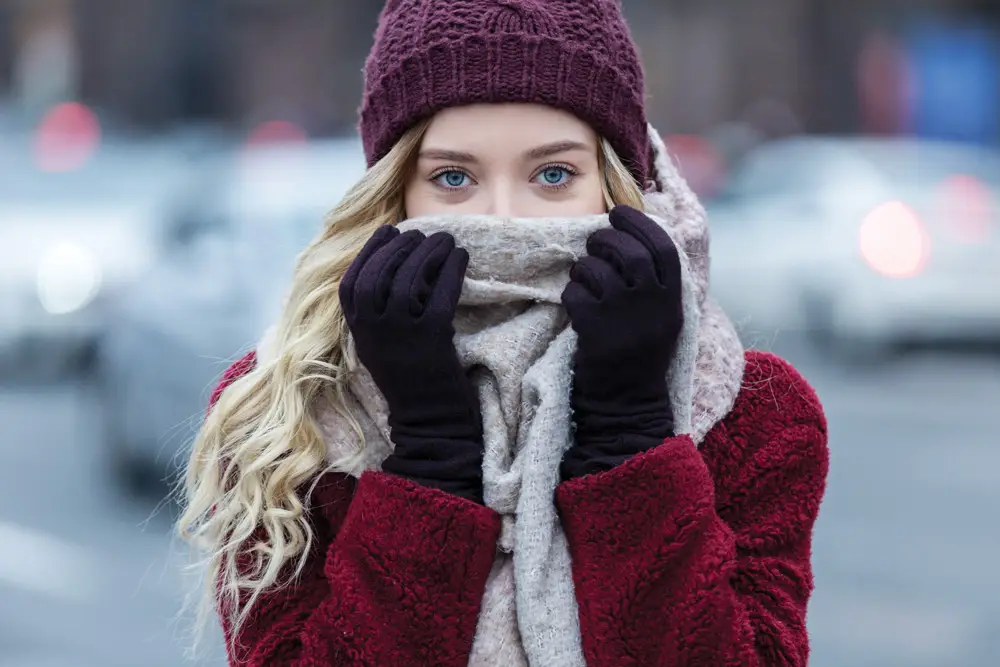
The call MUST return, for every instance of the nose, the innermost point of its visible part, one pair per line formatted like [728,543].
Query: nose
[502,199]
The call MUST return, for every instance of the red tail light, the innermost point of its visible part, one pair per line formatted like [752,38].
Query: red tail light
[893,240]
[66,138]
[967,207]
[276,132]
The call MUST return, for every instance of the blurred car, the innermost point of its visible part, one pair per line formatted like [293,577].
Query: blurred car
[68,240]
[865,244]
[233,246]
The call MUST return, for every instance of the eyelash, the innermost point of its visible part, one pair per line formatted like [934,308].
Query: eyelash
[573,173]
[445,170]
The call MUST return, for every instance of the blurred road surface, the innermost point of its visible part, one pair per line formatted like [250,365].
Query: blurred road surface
[905,550]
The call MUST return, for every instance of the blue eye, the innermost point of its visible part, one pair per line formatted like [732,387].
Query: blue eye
[551,176]
[452,179]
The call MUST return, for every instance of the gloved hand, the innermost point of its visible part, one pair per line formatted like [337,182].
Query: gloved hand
[624,302]
[399,298]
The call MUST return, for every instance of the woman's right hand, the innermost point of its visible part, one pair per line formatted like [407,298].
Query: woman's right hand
[399,298]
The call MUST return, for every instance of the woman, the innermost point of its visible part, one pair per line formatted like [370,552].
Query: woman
[499,421]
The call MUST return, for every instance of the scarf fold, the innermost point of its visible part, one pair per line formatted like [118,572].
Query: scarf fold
[513,332]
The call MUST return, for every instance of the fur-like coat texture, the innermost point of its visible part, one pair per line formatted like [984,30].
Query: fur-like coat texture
[589,562]
[513,332]
[682,556]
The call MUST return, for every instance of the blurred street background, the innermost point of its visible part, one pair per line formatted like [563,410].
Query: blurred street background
[163,161]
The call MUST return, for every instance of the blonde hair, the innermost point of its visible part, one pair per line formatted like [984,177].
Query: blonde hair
[260,446]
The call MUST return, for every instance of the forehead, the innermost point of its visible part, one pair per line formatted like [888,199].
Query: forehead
[508,128]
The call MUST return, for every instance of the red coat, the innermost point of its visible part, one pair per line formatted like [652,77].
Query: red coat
[681,556]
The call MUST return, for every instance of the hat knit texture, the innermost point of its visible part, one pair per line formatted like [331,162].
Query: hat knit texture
[576,55]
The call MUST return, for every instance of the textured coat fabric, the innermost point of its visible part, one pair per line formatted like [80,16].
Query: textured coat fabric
[682,556]
[696,552]
[575,55]
[512,329]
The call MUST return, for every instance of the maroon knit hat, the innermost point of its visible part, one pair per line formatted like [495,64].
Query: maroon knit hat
[575,55]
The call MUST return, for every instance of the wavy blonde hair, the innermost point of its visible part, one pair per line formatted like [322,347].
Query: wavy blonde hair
[260,451]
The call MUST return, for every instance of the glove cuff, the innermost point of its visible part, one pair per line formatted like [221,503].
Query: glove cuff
[451,465]
[604,421]
[596,457]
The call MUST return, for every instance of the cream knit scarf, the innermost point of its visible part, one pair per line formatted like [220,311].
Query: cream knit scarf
[512,329]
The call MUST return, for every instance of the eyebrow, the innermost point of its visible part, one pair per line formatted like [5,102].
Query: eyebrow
[447,155]
[537,153]
[555,148]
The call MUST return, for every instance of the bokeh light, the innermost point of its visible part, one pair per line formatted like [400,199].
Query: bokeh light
[276,132]
[967,207]
[67,137]
[893,240]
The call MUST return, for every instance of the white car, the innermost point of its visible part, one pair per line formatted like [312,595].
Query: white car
[867,244]
[172,334]
[68,241]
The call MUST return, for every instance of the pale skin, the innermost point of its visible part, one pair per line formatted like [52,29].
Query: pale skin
[510,160]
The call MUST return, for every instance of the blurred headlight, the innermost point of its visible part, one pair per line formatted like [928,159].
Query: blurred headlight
[69,277]
[893,240]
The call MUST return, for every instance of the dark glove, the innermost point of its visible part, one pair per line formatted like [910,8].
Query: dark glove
[399,298]
[624,302]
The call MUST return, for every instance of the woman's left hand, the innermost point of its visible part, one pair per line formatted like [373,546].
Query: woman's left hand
[624,301]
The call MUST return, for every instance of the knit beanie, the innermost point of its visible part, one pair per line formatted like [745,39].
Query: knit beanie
[575,55]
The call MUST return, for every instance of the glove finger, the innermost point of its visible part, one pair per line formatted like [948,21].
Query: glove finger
[416,277]
[577,300]
[371,295]
[625,253]
[656,240]
[443,300]
[348,282]
[597,276]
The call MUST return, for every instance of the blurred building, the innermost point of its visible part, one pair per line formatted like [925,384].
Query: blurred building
[238,61]
[779,65]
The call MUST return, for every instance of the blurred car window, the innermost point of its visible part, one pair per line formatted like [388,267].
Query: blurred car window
[130,172]
[190,224]
[803,165]
[923,163]
[784,168]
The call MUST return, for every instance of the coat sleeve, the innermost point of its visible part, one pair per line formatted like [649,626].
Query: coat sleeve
[684,556]
[395,578]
